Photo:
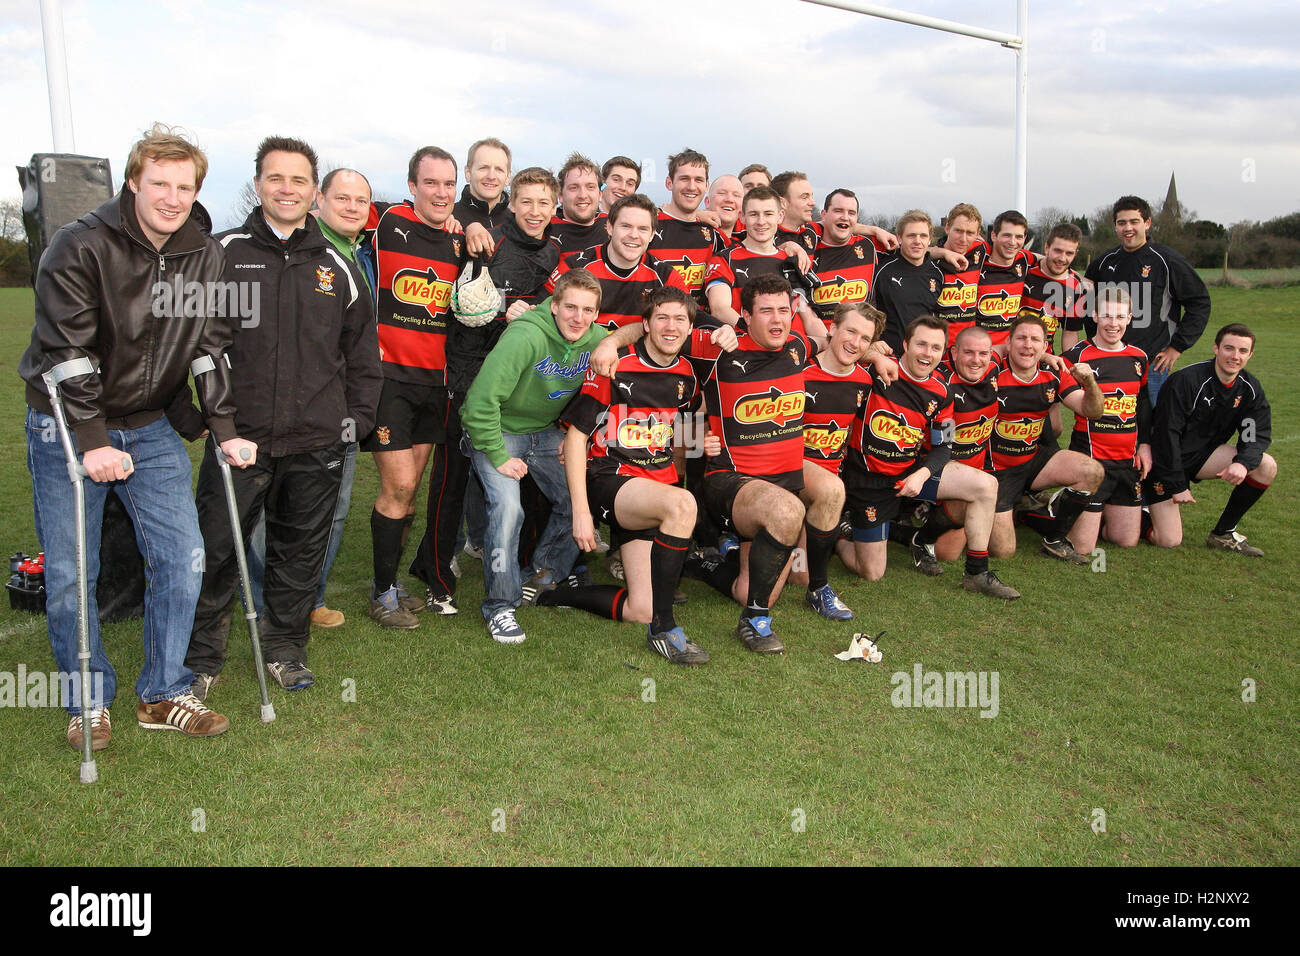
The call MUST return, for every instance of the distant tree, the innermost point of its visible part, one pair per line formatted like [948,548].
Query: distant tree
[15,267]
[246,200]
[1288,227]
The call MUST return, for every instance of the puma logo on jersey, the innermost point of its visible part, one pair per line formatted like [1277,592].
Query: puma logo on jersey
[740,365]
[404,233]
[897,280]
[742,272]
[812,397]
[627,387]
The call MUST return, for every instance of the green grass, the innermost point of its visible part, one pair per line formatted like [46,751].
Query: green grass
[1251,278]
[1118,690]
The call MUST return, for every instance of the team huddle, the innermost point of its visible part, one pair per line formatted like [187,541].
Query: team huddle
[737,389]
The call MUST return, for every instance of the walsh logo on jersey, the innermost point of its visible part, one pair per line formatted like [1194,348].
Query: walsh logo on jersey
[645,433]
[958,297]
[1020,429]
[776,406]
[846,290]
[691,274]
[422,288]
[828,441]
[1000,304]
[893,428]
[974,433]
[1120,405]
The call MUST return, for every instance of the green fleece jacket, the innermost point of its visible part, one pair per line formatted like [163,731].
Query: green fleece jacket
[526,381]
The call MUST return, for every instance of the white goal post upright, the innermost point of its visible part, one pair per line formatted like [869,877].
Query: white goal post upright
[56,76]
[1019,43]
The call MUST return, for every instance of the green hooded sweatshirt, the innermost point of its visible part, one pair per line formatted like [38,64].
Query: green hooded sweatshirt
[526,381]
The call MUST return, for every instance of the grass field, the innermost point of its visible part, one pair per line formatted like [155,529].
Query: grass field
[1119,691]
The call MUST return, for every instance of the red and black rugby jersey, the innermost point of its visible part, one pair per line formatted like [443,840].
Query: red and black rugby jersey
[806,237]
[998,300]
[843,274]
[1022,412]
[623,292]
[974,411]
[417,265]
[1126,412]
[755,402]
[737,266]
[831,404]
[572,237]
[957,299]
[630,416]
[1058,302]
[892,430]
[686,247]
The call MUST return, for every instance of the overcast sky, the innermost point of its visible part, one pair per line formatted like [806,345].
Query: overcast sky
[1121,92]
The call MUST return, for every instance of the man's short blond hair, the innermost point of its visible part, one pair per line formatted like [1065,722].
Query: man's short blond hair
[535,176]
[915,215]
[579,279]
[165,144]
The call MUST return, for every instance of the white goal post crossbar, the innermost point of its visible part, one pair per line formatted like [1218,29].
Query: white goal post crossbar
[1018,42]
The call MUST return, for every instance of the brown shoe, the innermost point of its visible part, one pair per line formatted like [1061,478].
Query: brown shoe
[327,617]
[101,729]
[185,713]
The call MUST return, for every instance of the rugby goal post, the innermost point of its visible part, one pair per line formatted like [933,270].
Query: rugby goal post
[1018,42]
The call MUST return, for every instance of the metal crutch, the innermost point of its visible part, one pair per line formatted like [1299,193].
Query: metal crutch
[77,475]
[246,587]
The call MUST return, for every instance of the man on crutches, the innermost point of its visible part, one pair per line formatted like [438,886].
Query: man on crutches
[128,299]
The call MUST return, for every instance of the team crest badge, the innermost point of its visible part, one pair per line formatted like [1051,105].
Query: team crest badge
[808,241]
[455,247]
[1159,487]
[383,434]
[1137,369]
[1020,268]
[794,357]
[681,391]
[930,408]
[1236,401]
[707,233]
[870,513]
[933,286]
[857,251]
[1146,271]
[324,278]
[859,400]
[976,258]
[1051,395]
[1137,491]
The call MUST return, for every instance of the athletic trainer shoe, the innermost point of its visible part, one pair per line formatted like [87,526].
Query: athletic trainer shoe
[325,617]
[202,685]
[580,578]
[101,729]
[185,713]
[408,601]
[1062,550]
[614,565]
[1232,541]
[677,647]
[756,634]
[386,608]
[924,560]
[474,551]
[291,675]
[443,604]
[828,604]
[987,583]
[505,629]
[537,583]
[728,543]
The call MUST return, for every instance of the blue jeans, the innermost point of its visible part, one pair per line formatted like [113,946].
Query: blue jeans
[1155,382]
[256,543]
[157,496]
[556,551]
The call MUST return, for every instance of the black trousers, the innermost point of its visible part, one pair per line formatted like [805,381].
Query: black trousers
[297,493]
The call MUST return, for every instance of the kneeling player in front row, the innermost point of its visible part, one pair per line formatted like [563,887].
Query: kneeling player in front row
[1199,409]
[885,462]
[629,477]
[1022,461]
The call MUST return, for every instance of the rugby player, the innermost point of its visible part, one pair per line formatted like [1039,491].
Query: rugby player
[907,284]
[964,239]
[680,240]
[1171,305]
[888,462]
[1053,290]
[1021,460]
[417,260]
[1002,278]
[629,478]
[1200,409]
[578,225]
[619,177]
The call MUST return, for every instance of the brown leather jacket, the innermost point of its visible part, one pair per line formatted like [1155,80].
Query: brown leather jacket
[142,316]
